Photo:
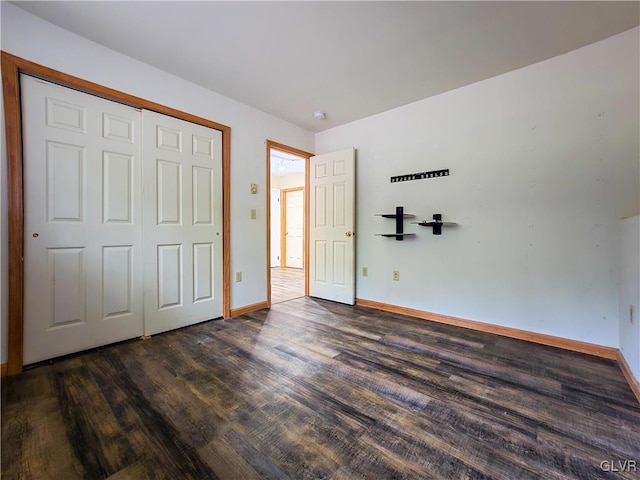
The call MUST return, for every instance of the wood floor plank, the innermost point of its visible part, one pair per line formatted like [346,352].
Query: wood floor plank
[33,430]
[150,432]
[91,422]
[227,461]
[316,390]
[135,471]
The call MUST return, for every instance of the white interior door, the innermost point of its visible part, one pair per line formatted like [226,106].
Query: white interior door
[275,227]
[332,221]
[294,228]
[182,223]
[83,227]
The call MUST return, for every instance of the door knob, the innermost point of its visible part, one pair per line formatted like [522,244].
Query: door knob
[348,233]
[36,235]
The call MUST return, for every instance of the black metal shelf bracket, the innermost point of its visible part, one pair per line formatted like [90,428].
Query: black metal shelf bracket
[399,216]
[436,224]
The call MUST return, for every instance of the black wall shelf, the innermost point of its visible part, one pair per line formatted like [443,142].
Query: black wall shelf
[399,216]
[436,224]
[393,215]
[399,236]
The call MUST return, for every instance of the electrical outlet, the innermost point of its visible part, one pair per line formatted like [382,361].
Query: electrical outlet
[365,271]
[238,276]
[254,214]
[396,276]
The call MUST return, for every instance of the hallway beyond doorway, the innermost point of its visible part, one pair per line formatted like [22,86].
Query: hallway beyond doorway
[286,284]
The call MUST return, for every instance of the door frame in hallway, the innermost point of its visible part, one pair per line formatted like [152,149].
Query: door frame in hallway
[306,156]
[12,66]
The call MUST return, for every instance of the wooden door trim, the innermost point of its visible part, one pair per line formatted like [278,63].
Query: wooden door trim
[283,228]
[283,224]
[269,144]
[12,66]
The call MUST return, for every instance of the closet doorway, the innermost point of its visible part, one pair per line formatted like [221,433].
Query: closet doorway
[123,221]
[287,223]
[12,67]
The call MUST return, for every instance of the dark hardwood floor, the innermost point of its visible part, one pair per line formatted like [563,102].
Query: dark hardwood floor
[316,390]
[286,284]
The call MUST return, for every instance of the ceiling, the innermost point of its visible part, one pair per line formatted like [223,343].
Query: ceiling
[348,59]
[283,164]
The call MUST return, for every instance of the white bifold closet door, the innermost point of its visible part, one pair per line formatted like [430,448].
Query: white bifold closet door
[104,260]
[83,220]
[182,223]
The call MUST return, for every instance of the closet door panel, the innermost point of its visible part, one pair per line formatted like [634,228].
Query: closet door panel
[83,220]
[183,223]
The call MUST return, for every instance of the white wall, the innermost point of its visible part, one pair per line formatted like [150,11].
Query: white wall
[630,292]
[544,162]
[29,37]
[293,180]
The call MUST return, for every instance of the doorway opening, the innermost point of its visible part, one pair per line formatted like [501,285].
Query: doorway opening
[287,223]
